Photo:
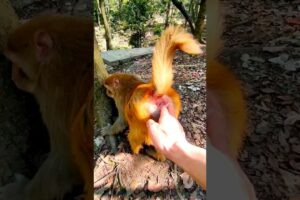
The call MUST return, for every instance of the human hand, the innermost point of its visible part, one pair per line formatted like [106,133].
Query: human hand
[217,125]
[219,135]
[167,134]
[168,137]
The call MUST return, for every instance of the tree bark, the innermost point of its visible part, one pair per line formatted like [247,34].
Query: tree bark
[168,14]
[103,106]
[181,8]
[196,10]
[200,22]
[191,6]
[101,8]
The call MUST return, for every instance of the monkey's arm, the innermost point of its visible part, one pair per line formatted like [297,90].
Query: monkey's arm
[118,126]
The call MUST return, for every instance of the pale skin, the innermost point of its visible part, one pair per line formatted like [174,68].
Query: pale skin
[219,135]
[169,138]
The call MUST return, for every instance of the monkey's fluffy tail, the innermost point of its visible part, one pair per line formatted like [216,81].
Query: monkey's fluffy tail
[173,38]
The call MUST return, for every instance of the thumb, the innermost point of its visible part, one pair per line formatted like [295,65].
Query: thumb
[164,115]
[153,127]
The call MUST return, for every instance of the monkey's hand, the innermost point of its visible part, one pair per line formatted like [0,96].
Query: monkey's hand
[119,126]
[106,130]
[14,190]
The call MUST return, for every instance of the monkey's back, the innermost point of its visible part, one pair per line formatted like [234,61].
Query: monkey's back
[138,111]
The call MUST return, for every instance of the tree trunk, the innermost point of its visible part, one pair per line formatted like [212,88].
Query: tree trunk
[171,14]
[181,8]
[191,6]
[101,8]
[120,4]
[103,106]
[168,14]
[200,22]
[196,10]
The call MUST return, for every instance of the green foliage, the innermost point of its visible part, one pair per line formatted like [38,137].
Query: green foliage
[160,6]
[95,12]
[158,29]
[137,17]
[137,13]
[134,15]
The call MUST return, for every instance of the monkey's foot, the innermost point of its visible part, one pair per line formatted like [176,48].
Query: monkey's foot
[14,190]
[106,130]
[80,197]
[136,148]
[148,141]
[155,154]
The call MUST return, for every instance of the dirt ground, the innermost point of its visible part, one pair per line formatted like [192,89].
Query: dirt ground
[262,46]
[121,174]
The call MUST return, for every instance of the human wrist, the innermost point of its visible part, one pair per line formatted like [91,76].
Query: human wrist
[178,151]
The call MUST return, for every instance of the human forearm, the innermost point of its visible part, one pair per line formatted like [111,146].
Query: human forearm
[191,159]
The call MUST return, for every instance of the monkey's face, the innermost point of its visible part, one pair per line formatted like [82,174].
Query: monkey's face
[24,74]
[112,85]
[28,51]
[109,91]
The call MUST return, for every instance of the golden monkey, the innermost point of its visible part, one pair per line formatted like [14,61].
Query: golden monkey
[52,58]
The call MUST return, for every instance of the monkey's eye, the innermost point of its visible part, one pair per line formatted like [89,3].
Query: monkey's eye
[19,71]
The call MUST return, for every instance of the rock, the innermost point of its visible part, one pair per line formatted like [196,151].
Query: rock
[274,49]
[116,57]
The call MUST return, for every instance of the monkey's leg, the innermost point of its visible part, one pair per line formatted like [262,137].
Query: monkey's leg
[55,178]
[56,169]
[118,126]
[136,140]
[153,152]
[14,190]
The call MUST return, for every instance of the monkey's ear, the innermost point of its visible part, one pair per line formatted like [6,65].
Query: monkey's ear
[116,83]
[43,44]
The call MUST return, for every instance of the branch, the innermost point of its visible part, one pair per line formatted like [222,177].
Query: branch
[181,8]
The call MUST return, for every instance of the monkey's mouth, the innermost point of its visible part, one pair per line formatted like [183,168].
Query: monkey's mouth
[18,73]
[22,73]
[109,93]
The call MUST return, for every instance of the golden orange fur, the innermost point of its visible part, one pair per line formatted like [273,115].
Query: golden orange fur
[133,96]
[52,58]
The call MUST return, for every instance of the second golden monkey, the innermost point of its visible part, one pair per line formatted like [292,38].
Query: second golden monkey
[52,58]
